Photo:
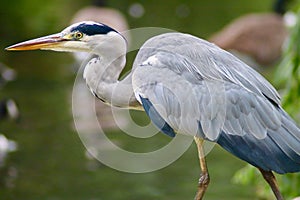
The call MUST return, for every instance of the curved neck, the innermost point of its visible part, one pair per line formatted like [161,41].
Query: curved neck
[102,74]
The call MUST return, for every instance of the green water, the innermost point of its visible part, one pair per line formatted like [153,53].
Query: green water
[50,163]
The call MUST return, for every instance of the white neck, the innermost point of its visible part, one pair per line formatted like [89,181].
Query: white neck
[102,73]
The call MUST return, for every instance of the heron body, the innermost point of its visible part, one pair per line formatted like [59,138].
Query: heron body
[206,92]
[189,86]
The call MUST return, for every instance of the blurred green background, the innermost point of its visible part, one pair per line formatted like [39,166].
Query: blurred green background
[50,162]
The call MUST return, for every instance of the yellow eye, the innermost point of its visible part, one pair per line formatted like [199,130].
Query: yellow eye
[78,35]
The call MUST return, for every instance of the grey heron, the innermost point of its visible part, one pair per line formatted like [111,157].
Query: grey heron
[189,86]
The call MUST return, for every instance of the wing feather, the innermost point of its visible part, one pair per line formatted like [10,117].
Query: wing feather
[206,92]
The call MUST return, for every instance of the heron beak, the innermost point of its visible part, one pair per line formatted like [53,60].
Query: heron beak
[47,42]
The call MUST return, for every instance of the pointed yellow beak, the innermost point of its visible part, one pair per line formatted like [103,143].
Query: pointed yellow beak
[47,42]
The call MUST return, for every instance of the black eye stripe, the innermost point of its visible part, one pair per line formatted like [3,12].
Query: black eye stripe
[92,29]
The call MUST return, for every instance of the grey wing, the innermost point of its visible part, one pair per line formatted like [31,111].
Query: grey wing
[235,71]
[270,139]
[206,60]
[182,98]
[221,110]
[193,104]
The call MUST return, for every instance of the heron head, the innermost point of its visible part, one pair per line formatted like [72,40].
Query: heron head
[80,37]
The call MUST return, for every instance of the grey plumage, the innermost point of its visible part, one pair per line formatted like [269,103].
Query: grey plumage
[189,86]
[193,83]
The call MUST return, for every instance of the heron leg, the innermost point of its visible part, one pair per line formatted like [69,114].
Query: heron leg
[271,180]
[204,176]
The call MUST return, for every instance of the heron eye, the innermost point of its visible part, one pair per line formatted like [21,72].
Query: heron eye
[78,35]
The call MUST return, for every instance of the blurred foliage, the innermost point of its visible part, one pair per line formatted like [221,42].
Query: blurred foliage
[288,73]
[289,184]
[287,77]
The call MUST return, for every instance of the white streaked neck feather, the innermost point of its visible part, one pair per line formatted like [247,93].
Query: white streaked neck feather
[102,73]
